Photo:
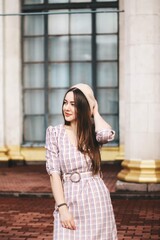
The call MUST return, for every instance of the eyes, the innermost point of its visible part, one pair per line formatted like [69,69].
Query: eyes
[66,103]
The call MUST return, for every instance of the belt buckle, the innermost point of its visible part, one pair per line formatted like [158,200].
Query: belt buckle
[77,177]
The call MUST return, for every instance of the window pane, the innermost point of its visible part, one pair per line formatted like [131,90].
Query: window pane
[80,23]
[58,1]
[81,72]
[58,23]
[33,49]
[56,100]
[56,119]
[34,102]
[34,129]
[107,47]
[33,1]
[107,0]
[107,74]
[58,48]
[81,48]
[110,20]
[108,100]
[59,75]
[80,0]
[34,76]
[33,25]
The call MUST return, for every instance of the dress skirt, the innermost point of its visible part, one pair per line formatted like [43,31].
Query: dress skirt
[89,202]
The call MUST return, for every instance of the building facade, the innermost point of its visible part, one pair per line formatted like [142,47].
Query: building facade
[114,46]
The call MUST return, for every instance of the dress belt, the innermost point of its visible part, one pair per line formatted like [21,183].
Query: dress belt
[77,176]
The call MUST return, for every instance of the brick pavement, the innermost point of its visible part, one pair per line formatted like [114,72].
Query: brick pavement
[31,218]
[34,179]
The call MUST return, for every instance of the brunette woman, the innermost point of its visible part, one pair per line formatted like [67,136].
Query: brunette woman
[83,209]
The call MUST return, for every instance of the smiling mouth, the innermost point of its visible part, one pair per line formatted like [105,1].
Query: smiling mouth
[67,115]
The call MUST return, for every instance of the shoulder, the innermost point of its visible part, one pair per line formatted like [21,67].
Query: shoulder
[55,129]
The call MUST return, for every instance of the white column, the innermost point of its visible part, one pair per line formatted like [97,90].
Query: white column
[12,68]
[3,149]
[142,92]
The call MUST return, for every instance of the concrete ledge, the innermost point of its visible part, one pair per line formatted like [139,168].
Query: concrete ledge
[137,187]
[127,186]
[154,187]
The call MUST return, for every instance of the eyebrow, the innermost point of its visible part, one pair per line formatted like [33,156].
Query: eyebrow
[68,101]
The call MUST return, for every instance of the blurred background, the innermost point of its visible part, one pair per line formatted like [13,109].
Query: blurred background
[114,46]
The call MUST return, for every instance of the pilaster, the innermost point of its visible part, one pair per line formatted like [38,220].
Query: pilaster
[142,88]
[3,149]
[12,69]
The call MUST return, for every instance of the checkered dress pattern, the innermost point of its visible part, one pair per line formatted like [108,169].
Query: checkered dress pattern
[88,200]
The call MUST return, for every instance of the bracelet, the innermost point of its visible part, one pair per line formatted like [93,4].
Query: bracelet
[62,204]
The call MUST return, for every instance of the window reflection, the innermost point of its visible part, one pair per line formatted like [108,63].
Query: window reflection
[58,23]
[59,75]
[81,48]
[107,47]
[81,72]
[58,48]
[34,25]
[107,74]
[34,102]
[80,23]
[34,129]
[108,100]
[110,20]
[34,49]
[34,75]
[33,1]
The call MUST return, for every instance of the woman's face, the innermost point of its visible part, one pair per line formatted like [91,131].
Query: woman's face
[69,109]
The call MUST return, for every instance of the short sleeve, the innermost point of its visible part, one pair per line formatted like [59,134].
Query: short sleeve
[105,135]
[52,152]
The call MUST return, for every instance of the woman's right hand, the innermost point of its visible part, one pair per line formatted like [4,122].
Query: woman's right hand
[66,218]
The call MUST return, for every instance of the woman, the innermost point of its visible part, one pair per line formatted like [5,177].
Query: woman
[83,208]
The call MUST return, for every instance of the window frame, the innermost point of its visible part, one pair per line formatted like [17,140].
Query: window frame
[45,7]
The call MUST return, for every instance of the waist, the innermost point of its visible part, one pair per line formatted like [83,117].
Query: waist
[77,176]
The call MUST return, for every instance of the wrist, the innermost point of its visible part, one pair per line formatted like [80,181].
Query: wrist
[63,209]
[61,205]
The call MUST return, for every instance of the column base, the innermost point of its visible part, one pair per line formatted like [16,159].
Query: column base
[3,154]
[140,171]
[15,153]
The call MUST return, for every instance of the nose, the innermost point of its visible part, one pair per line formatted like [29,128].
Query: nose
[67,106]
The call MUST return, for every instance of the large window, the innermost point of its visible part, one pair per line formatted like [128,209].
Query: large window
[75,41]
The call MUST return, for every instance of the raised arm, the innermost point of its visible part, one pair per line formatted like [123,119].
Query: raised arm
[104,132]
[100,123]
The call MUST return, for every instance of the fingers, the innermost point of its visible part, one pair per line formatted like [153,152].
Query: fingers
[69,225]
[67,220]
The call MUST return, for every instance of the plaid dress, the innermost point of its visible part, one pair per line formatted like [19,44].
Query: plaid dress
[89,199]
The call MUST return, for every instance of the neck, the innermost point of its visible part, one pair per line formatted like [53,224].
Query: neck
[74,127]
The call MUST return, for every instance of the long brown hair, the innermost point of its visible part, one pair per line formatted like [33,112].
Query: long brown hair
[86,137]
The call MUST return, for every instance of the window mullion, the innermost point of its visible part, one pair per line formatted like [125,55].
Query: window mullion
[46,69]
[94,70]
